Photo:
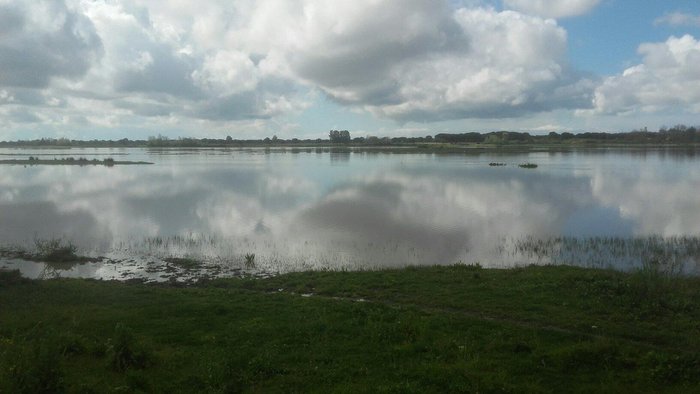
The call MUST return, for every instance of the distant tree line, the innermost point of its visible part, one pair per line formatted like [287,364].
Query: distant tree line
[675,134]
[679,134]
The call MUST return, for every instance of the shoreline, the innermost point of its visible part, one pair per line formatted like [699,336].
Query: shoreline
[417,147]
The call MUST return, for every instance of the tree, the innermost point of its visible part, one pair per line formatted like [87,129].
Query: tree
[339,136]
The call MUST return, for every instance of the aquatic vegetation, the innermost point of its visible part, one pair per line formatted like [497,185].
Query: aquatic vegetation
[250,260]
[56,250]
[55,254]
[188,258]
[528,165]
[80,161]
[184,262]
[667,255]
[178,241]
[15,252]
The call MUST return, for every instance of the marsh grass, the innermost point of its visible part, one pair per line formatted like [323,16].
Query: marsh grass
[654,255]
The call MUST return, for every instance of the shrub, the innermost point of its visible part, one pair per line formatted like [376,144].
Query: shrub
[55,250]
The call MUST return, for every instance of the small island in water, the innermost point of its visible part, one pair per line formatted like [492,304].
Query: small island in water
[71,161]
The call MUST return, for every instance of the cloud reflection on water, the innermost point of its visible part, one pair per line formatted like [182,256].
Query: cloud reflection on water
[382,210]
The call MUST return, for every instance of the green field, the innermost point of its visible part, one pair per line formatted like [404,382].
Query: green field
[435,329]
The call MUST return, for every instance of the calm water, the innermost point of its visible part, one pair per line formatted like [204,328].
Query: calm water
[302,209]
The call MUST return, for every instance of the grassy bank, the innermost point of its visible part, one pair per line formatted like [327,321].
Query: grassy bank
[438,329]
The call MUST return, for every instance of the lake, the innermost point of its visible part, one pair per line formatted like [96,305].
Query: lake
[299,209]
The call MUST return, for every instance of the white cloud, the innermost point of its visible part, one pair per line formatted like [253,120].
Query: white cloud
[514,65]
[132,61]
[175,63]
[442,64]
[552,8]
[227,72]
[668,78]
[678,19]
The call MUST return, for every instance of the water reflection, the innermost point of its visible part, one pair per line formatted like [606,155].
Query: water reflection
[24,222]
[340,156]
[301,210]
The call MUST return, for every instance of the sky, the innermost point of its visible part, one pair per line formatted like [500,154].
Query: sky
[111,69]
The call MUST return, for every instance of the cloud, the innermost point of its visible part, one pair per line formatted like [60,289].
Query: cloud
[181,62]
[151,69]
[351,53]
[443,63]
[136,59]
[227,72]
[42,40]
[552,8]
[667,79]
[677,19]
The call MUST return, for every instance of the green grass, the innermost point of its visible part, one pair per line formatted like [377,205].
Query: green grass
[436,329]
